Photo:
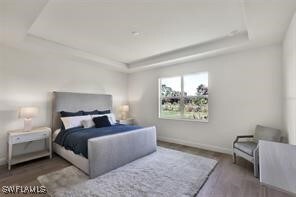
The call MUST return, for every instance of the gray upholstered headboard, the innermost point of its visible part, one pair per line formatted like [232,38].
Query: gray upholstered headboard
[73,102]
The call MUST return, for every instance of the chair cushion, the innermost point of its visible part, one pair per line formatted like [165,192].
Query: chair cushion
[246,147]
[267,133]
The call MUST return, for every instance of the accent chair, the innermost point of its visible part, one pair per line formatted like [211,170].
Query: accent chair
[246,146]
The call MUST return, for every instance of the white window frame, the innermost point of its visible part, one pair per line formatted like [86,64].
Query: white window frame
[182,96]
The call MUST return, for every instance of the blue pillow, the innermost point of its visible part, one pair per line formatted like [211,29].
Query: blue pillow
[101,121]
[105,112]
[96,112]
[68,114]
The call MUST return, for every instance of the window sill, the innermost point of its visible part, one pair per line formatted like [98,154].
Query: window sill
[183,119]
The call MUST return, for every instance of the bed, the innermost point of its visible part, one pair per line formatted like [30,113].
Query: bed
[107,152]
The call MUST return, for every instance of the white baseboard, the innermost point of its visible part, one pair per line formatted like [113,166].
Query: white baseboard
[278,189]
[196,145]
[3,161]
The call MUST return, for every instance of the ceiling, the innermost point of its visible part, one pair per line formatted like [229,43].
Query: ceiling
[136,34]
[105,27]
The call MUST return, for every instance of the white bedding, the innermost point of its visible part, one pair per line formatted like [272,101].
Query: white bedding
[55,134]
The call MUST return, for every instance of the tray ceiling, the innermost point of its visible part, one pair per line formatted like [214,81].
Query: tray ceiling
[128,31]
[132,35]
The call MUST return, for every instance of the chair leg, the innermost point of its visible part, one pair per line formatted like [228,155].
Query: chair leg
[256,170]
[256,162]
[234,158]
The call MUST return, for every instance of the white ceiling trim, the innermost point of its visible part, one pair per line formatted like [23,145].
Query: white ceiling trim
[244,16]
[207,49]
[209,54]
[66,50]
[204,50]
[192,52]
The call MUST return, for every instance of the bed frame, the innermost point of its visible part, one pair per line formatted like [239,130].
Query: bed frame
[104,153]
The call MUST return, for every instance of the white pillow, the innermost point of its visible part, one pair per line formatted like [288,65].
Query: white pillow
[88,123]
[111,117]
[74,121]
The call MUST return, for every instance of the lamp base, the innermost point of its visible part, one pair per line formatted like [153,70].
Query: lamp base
[27,124]
[123,115]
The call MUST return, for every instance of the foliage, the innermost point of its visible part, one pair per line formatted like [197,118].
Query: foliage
[202,90]
[169,92]
[171,107]
[195,107]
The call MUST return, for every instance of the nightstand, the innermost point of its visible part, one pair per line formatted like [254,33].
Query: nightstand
[129,121]
[20,136]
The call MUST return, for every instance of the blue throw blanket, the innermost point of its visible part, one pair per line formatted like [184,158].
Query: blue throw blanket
[75,139]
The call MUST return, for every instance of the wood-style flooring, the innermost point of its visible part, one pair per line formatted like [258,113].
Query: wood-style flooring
[227,179]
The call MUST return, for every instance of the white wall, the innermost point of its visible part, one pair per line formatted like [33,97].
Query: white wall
[245,89]
[289,73]
[27,78]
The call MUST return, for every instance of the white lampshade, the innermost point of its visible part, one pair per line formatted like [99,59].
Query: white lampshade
[124,108]
[28,112]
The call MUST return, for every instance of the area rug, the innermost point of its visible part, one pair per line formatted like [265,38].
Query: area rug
[165,173]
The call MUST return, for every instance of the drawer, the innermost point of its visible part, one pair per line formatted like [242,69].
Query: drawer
[29,137]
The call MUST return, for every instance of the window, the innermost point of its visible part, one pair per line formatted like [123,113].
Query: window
[184,97]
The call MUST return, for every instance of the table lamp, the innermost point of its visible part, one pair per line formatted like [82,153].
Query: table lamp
[28,113]
[124,109]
